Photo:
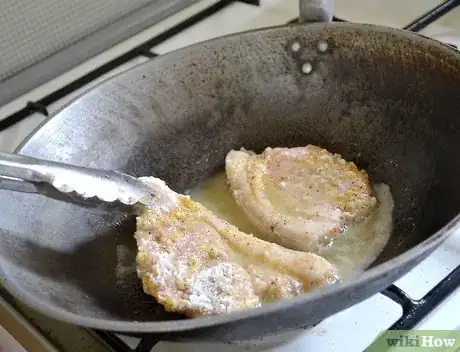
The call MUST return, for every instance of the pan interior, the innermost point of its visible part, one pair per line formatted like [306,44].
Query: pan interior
[387,100]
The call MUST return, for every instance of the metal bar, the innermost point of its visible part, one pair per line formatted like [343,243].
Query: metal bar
[251,2]
[36,107]
[146,344]
[64,91]
[312,11]
[110,340]
[432,15]
[399,296]
[334,19]
[415,310]
[144,51]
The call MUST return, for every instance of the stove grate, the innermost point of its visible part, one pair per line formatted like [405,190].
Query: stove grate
[413,310]
[432,15]
[142,50]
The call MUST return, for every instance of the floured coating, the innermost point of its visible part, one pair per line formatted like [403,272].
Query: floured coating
[302,198]
[196,264]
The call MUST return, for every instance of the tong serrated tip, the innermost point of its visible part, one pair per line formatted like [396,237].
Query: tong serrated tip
[70,183]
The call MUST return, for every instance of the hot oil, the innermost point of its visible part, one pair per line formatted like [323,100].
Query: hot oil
[360,245]
[350,253]
[215,194]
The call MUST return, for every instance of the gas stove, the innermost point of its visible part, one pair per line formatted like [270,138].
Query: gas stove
[422,299]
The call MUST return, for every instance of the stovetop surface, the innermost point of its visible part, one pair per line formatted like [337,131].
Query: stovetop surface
[351,330]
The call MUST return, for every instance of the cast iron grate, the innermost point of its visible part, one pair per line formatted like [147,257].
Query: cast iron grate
[414,311]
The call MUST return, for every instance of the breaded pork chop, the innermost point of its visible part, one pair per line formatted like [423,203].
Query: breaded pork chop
[196,264]
[300,197]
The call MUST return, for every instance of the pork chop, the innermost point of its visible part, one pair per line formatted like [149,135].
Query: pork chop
[196,264]
[301,198]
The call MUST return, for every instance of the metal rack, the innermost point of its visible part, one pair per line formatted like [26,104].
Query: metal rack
[413,310]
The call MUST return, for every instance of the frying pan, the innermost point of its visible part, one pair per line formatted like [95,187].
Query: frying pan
[384,98]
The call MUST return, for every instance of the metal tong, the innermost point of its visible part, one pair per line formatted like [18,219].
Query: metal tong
[104,189]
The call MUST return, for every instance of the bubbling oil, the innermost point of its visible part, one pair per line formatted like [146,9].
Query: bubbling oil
[350,253]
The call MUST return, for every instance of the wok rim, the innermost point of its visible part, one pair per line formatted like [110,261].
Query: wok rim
[188,325]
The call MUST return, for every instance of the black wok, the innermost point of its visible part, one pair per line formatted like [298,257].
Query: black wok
[387,99]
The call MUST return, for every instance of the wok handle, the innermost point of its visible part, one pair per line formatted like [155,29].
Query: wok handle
[105,189]
[316,10]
